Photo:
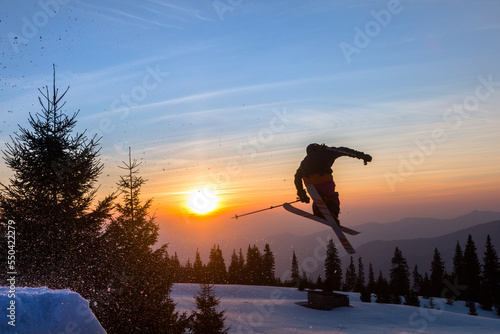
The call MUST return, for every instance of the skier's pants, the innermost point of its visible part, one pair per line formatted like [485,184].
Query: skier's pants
[326,189]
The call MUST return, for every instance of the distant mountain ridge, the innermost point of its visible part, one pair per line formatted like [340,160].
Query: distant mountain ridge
[420,251]
[310,248]
[410,228]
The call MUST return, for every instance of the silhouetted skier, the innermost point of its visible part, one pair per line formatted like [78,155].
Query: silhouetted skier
[316,169]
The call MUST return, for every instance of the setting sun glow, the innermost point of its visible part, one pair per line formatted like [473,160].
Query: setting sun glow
[202,200]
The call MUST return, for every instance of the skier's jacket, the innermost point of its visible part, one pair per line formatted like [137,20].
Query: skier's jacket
[317,165]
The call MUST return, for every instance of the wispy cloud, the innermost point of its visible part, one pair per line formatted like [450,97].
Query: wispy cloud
[235,90]
[145,14]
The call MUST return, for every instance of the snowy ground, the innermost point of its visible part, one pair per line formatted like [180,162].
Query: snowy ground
[41,310]
[254,309]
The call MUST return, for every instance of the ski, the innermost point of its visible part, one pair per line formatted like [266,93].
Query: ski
[290,208]
[326,213]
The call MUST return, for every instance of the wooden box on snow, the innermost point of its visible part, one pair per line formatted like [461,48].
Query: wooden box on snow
[326,300]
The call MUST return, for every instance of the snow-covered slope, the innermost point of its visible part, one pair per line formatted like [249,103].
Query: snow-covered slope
[254,309]
[41,310]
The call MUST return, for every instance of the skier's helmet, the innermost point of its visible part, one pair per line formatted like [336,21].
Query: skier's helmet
[314,147]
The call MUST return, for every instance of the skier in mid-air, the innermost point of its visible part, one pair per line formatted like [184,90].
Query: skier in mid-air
[316,169]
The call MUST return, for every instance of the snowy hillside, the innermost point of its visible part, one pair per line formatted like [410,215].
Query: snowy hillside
[42,310]
[256,309]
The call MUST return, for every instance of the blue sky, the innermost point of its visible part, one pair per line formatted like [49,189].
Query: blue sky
[229,93]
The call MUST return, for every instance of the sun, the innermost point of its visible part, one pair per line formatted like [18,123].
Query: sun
[202,200]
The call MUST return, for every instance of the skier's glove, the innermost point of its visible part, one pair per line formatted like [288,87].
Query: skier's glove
[367,158]
[303,196]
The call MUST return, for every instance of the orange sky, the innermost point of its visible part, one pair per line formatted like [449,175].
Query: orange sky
[210,100]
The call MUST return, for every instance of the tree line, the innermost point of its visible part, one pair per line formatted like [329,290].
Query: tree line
[471,280]
[257,268]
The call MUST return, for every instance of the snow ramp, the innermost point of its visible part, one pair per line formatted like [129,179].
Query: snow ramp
[42,310]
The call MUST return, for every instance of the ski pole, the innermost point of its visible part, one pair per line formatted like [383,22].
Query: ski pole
[272,207]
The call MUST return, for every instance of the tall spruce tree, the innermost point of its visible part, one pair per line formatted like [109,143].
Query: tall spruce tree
[371,279]
[383,290]
[437,274]
[399,274]
[295,270]
[137,292]
[50,199]
[268,266]
[333,268]
[490,287]
[350,277]
[216,267]
[241,265]
[188,273]
[417,281]
[471,271]
[176,274]
[458,262]
[360,280]
[234,271]
[199,269]
[426,289]
[253,267]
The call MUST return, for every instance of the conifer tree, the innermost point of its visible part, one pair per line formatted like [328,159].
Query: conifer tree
[304,282]
[319,283]
[426,290]
[295,270]
[188,272]
[268,266]
[50,199]
[175,269]
[365,296]
[371,279]
[411,299]
[437,274]
[234,271]
[350,277]
[333,268]
[198,269]
[472,309]
[216,267]
[383,293]
[399,274]
[140,279]
[490,287]
[360,280]
[471,271]
[432,304]
[458,262]
[241,266]
[417,281]
[206,319]
[253,267]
